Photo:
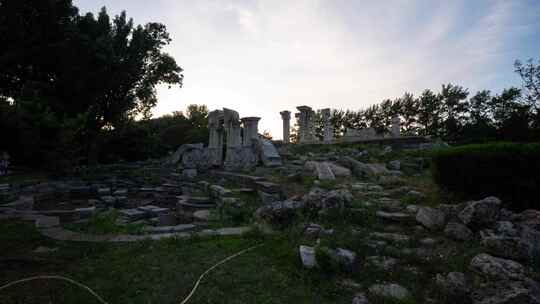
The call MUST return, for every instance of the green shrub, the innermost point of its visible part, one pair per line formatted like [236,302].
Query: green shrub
[509,171]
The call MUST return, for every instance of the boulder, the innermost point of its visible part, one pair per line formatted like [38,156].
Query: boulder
[529,218]
[494,268]
[505,292]
[430,218]
[458,232]
[481,213]
[506,246]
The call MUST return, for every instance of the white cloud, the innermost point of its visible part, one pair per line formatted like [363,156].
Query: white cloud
[261,57]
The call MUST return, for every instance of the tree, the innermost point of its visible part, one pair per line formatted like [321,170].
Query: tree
[530,75]
[99,72]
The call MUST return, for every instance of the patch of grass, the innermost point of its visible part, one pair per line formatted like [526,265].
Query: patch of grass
[105,223]
[165,271]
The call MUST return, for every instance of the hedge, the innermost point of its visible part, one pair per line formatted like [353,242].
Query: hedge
[510,171]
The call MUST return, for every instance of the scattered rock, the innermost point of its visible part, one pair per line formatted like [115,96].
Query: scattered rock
[382,262]
[395,216]
[307,255]
[430,218]
[458,232]
[279,214]
[480,213]
[494,268]
[360,298]
[390,291]
[504,292]
[454,285]
[43,249]
[394,165]
[392,237]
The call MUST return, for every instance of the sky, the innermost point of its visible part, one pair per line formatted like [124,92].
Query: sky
[263,57]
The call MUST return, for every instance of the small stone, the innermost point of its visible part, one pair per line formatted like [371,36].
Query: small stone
[458,232]
[394,165]
[430,218]
[360,298]
[307,255]
[391,237]
[391,291]
[43,249]
[454,284]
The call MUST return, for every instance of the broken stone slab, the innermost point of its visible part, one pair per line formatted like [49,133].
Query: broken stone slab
[152,210]
[307,255]
[47,221]
[267,152]
[120,192]
[390,291]
[338,170]
[85,213]
[164,229]
[132,214]
[391,237]
[202,215]
[268,187]
[399,217]
[103,191]
[324,172]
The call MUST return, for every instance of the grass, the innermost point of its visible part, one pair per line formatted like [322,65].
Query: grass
[105,223]
[162,271]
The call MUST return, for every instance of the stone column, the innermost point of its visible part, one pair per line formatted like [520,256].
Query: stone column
[305,124]
[231,122]
[251,130]
[286,117]
[215,140]
[396,122]
[328,130]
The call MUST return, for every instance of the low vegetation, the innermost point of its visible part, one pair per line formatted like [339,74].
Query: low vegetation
[506,170]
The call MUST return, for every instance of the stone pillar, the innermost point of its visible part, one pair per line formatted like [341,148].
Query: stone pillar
[215,140]
[231,122]
[328,130]
[396,122]
[305,125]
[286,117]
[251,130]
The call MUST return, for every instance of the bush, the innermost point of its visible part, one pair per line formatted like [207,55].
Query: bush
[509,171]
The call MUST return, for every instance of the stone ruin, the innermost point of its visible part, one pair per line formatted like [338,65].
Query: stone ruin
[234,144]
[306,128]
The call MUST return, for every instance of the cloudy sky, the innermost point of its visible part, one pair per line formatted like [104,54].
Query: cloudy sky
[262,57]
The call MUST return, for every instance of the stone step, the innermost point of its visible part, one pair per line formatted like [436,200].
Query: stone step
[399,217]
[391,237]
[185,204]
[166,229]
